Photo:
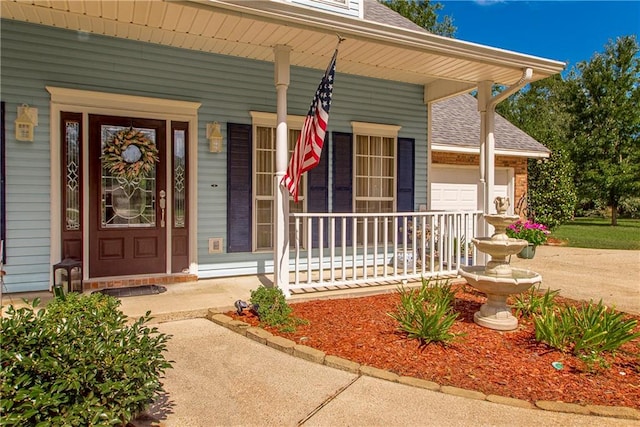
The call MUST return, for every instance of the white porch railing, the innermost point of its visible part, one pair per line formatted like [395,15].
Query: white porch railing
[335,249]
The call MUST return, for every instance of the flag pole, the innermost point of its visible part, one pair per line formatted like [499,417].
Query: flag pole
[308,148]
[306,156]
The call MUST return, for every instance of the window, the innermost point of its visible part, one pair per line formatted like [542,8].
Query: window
[374,174]
[374,171]
[374,167]
[263,178]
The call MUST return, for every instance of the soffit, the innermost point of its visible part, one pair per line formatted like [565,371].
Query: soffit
[251,29]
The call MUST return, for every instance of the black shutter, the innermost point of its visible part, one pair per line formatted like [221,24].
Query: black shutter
[406,174]
[342,172]
[239,193]
[318,182]
[342,179]
[318,192]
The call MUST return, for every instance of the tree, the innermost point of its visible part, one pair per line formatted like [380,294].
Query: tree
[540,111]
[603,98]
[424,14]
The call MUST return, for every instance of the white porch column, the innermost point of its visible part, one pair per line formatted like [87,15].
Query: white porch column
[281,194]
[487,152]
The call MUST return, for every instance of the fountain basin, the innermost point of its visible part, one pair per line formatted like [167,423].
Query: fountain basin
[495,313]
[500,222]
[520,280]
[499,248]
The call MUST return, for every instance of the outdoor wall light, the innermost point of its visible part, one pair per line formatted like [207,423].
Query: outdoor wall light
[26,121]
[215,137]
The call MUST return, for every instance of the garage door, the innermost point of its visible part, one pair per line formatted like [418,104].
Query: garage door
[456,188]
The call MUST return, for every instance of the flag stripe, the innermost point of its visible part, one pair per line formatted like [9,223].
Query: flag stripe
[308,148]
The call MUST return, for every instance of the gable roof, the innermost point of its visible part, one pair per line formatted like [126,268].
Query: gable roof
[455,126]
[377,12]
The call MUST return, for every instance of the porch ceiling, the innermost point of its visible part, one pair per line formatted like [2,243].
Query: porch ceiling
[251,29]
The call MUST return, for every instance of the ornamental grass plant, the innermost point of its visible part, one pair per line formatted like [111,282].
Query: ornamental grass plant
[588,331]
[535,302]
[427,314]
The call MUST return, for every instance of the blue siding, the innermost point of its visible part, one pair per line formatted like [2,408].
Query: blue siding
[34,56]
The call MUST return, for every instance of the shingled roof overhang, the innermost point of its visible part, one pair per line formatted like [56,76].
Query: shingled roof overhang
[455,128]
[251,29]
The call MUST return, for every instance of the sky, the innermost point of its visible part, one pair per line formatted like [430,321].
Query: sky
[567,31]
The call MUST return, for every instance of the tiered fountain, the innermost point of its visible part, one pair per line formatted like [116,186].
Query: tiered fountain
[498,279]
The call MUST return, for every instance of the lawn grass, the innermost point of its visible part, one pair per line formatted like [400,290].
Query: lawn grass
[598,233]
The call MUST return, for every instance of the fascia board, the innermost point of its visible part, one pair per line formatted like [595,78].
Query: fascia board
[499,152]
[295,15]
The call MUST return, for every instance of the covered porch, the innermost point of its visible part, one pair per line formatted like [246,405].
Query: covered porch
[309,249]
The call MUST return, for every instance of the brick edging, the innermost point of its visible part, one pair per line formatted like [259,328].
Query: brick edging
[314,355]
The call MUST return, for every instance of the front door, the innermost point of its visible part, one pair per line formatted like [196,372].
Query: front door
[127,196]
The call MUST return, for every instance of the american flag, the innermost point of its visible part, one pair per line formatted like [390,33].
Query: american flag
[306,154]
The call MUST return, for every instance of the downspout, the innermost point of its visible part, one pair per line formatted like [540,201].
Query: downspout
[487,107]
[527,74]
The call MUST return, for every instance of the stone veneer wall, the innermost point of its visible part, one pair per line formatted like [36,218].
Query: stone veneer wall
[519,165]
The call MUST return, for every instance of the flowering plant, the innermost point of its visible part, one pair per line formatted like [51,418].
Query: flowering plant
[532,232]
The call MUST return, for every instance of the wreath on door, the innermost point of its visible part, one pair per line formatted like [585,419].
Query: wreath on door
[129,155]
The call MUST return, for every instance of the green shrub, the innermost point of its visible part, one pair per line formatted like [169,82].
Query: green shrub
[630,207]
[535,302]
[587,331]
[426,314]
[552,194]
[272,308]
[78,363]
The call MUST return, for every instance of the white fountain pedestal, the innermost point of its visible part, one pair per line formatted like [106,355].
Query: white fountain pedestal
[498,279]
[495,313]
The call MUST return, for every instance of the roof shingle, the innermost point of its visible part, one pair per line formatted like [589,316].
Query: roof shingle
[377,12]
[456,122]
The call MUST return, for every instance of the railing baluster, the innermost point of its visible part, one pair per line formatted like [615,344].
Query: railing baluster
[344,248]
[414,244]
[365,243]
[423,244]
[309,249]
[385,230]
[296,271]
[320,250]
[405,235]
[332,248]
[354,247]
[394,232]
[375,246]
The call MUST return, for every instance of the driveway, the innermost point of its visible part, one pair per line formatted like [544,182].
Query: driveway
[589,274]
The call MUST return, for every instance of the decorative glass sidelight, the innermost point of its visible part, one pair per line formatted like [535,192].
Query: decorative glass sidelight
[127,200]
[179,178]
[72,163]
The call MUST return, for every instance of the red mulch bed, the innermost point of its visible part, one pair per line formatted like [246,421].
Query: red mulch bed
[510,364]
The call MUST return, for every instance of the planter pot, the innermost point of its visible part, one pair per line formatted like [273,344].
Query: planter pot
[527,252]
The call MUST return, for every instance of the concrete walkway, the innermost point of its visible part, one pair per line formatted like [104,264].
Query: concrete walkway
[221,378]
